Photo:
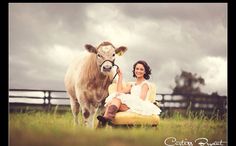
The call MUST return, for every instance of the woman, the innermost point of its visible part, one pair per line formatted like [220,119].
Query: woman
[131,98]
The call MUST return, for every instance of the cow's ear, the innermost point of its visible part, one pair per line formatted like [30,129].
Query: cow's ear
[121,50]
[91,48]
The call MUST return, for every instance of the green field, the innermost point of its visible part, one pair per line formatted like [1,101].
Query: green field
[51,129]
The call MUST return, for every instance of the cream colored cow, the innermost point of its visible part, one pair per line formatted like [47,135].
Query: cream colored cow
[87,80]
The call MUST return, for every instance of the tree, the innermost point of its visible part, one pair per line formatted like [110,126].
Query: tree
[188,83]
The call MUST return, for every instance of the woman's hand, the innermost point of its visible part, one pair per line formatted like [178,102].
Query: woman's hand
[120,74]
[120,87]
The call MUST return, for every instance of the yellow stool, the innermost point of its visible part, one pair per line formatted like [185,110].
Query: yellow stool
[130,118]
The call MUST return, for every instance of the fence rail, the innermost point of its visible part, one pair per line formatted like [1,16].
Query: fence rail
[47,99]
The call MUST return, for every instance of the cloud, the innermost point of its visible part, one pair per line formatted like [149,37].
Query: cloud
[43,39]
[215,74]
[60,55]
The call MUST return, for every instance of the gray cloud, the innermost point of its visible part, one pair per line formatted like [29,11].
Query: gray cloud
[45,37]
[195,12]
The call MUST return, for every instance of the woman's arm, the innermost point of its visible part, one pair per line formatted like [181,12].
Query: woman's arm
[119,83]
[120,87]
[144,91]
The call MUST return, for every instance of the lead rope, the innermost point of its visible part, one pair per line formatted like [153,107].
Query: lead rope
[117,67]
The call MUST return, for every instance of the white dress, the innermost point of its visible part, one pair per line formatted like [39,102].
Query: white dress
[134,102]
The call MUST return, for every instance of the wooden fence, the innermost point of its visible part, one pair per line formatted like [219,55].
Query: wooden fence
[48,100]
[211,105]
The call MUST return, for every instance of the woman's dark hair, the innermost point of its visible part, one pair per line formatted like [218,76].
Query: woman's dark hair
[146,67]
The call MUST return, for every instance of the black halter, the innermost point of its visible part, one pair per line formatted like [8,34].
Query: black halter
[113,64]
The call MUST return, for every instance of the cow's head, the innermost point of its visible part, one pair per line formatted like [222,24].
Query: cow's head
[106,53]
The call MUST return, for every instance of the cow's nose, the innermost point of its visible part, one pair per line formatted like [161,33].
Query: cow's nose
[107,68]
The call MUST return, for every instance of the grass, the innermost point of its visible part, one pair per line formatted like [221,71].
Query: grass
[52,129]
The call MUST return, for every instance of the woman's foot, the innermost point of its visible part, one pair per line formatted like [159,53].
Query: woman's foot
[103,120]
[108,116]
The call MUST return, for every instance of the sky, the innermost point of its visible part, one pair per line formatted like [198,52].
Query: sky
[171,37]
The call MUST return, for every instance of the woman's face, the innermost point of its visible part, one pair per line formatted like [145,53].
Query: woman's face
[139,70]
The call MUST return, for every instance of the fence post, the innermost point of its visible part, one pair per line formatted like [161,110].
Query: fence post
[166,110]
[49,100]
[44,98]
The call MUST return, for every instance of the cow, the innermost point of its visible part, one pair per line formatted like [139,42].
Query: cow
[87,80]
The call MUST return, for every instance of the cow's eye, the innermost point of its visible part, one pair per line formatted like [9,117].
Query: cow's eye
[113,54]
[99,55]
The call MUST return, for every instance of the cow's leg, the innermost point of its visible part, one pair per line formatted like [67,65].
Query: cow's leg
[88,110]
[90,119]
[75,109]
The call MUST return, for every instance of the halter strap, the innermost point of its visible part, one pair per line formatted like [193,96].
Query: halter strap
[112,62]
